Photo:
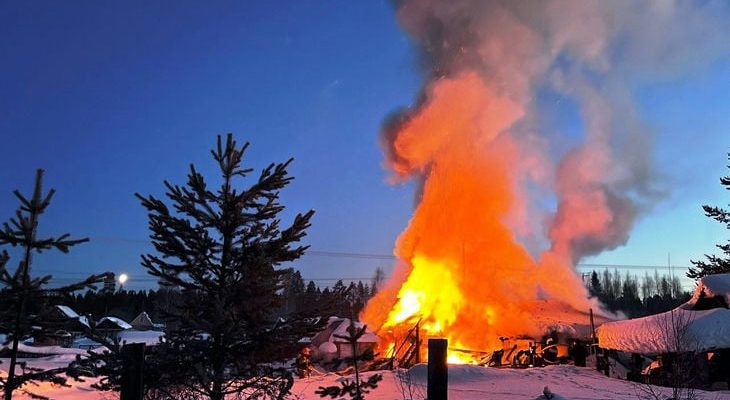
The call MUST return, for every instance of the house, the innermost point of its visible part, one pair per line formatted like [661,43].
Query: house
[143,322]
[63,325]
[329,343]
[698,329]
[111,326]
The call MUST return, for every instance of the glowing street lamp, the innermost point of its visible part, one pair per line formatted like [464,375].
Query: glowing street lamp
[122,279]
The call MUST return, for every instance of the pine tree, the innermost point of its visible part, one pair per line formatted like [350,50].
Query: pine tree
[377,282]
[222,249]
[20,290]
[715,264]
[595,287]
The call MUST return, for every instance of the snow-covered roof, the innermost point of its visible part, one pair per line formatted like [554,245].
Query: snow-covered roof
[712,286]
[84,320]
[116,321]
[682,329]
[142,320]
[67,311]
[341,330]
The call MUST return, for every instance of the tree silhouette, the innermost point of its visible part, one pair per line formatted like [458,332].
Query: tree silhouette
[21,289]
[222,249]
[715,264]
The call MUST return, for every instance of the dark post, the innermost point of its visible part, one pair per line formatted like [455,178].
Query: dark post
[438,370]
[418,342]
[133,371]
[593,330]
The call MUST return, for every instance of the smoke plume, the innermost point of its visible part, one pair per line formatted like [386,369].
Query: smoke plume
[505,209]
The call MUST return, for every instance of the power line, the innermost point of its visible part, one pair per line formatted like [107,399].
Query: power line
[376,256]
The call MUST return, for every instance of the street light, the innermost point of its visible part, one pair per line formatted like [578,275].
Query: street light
[122,279]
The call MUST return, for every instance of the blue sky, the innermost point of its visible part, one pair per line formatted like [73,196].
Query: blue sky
[113,98]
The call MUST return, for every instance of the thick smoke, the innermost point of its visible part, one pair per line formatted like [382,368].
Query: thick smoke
[504,208]
[593,52]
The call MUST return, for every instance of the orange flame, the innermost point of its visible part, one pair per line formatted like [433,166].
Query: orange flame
[463,274]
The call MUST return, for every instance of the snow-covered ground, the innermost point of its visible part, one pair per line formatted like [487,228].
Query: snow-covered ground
[466,382]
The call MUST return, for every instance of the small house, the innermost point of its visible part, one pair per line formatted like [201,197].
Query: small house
[112,326]
[330,343]
[143,322]
[63,325]
[697,331]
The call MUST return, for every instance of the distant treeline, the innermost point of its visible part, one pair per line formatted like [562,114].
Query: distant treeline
[637,296]
[344,300]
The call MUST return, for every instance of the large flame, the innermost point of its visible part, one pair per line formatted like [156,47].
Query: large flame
[457,248]
[504,210]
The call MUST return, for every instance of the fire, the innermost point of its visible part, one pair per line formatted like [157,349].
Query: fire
[430,295]
[505,207]
[458,250]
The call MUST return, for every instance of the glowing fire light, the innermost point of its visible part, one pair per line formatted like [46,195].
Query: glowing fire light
[429,287]
[505,206]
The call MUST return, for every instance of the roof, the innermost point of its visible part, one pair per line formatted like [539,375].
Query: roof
[142,320]
[341,330]
[712,286]
[114,321]
[67,311]
[686,328]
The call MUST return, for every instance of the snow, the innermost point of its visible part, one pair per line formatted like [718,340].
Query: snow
[119,322]
[713,285]
[149,338]
[705,330]
[85,321]
[67,311]
[328,347]
[681,329]
[367,337]
[466,382]
[48,350]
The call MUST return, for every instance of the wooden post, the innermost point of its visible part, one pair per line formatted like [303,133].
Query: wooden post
[418,342]
[133,371]
[438,370]
[593,329]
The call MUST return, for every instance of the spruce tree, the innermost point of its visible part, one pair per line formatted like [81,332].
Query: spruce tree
[222,248]
[26,298]
[715,264]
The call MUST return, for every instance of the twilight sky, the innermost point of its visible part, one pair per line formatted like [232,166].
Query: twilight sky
[113,98]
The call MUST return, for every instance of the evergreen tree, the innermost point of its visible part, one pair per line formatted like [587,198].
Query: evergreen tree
[294,292]
[378,279]
[20,290]
[595,288]
[222,249]
[715,264]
